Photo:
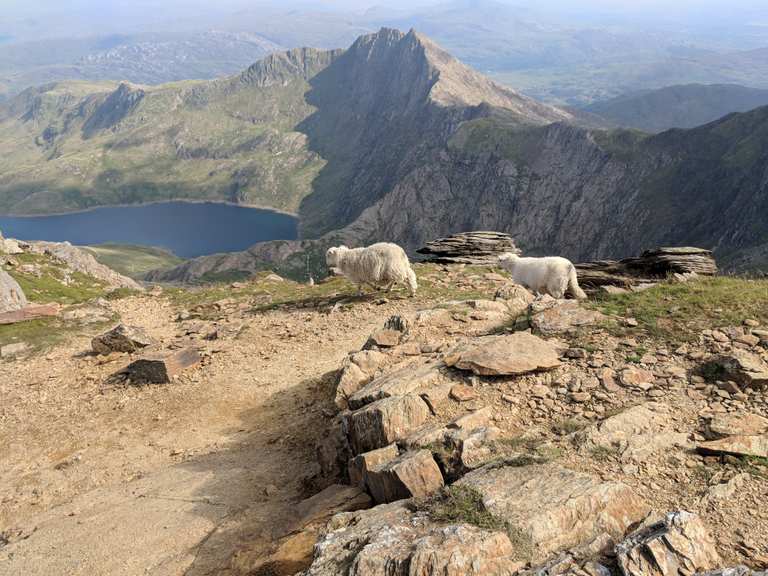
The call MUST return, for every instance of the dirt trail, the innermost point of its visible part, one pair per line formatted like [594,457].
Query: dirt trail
[166,479]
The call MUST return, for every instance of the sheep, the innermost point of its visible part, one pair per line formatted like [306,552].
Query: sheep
[378,265]
[552,275]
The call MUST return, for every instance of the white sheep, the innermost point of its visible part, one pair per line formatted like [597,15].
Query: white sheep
[551,275]
[378,265]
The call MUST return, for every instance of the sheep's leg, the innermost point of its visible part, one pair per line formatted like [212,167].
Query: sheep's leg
[389,287]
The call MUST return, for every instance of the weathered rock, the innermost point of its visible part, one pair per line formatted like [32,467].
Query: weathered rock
[562,317]
[469,248]
[10,246]
[637,432]
[12,297]
[516,297]
[738,445]
[12,350]
[368,360]
[720,493]
[29,312]
[389,540]
[733,571]
[734,424]
[413,474]
[637,378]
[121,338]
[463,450]
[745,368]
[362,463]
[513,354]
[384,338]
[385,421]
[160,369]
[556,507]
[398,383]
[679,545]
[351,379]
[462,393]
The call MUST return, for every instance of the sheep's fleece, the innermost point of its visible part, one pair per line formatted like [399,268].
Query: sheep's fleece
[378,265]
[551,275]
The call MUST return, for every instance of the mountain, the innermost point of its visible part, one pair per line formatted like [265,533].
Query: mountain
[321,133]
[391,139]
[685,106]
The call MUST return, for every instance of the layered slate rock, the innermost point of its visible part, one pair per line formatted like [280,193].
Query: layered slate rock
[679,545]
[480,248]
[389,540]
[556,507]
[121,338]
[719,426]
[738,445]
[413,474]
[398,383]
[385,421]
[651,265]
[509,355]
[12,297]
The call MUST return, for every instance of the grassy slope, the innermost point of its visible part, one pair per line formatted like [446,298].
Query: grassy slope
[220,140]
[134,261]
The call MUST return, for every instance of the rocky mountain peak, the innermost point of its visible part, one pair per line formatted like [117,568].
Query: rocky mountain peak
[282,67]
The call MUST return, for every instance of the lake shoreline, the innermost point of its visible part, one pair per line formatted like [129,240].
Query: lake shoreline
[152,203]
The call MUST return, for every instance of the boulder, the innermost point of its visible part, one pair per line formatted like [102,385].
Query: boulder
[11,295]
[160,369]
[121,338]
[397,383]
[516,297]
[362,463]
[462,393]
[508,355]
[478,248]
[368,360]
[679,545]
[351,379]
[389,540]
[556,507]
[562,317]
[384,338]
[413,474]
[385,421]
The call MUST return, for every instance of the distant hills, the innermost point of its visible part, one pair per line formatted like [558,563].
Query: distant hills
[685,106]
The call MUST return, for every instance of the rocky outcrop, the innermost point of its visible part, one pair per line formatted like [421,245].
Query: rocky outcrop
[12,297]
[556,507]
[83,262]
[121,338]
[412,474]
[477,248]
[678,545]
[390,540]
[385,421]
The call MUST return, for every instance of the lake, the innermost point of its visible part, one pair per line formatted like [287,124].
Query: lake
[186,229]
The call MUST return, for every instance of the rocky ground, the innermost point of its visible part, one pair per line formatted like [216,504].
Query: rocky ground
[471,430]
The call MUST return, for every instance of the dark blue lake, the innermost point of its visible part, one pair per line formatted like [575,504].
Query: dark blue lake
[186,229]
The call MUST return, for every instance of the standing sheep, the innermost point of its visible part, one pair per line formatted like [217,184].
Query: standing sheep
[378,265]
[551,275]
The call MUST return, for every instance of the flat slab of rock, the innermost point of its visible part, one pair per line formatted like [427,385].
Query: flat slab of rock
[413,474]
[677,546]
[385,421]
[556,507]
[31,312]
[13,350]
[745,368]
[735,424]
[389,540]
[509,355]
[160,369]
[398,383]
[121,338]
[738,445]
[563,317]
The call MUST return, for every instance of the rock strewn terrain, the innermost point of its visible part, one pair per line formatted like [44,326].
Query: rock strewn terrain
[308,401]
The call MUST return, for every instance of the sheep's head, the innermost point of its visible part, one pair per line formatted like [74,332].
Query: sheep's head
[507,260]
[333,254]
